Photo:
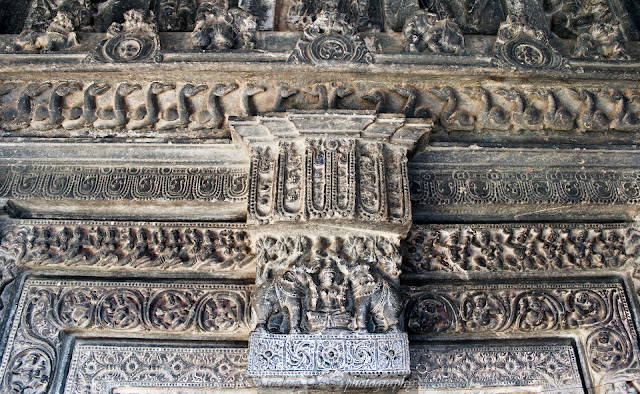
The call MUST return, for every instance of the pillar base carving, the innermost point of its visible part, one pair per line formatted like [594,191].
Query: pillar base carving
[336,358]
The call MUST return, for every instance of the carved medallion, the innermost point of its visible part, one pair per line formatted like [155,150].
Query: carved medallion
[330,39]
[520,45]
[135,40]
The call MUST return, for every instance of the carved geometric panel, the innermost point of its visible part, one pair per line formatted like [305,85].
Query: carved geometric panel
[549,368]
[99,367]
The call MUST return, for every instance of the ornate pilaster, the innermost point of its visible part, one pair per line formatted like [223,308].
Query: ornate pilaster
[328,205]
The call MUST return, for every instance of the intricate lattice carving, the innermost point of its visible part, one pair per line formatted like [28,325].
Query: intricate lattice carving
[92,369]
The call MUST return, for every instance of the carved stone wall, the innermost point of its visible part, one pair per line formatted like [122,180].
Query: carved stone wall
[398,195]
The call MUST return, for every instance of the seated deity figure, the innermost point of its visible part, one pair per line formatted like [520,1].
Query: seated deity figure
[330,301]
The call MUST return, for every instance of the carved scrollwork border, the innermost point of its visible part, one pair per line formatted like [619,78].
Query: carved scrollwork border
[596,313]
[48,308]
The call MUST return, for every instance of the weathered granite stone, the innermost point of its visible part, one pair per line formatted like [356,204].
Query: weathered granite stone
[233,175]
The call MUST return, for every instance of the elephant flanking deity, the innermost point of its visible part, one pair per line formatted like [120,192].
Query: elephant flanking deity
[348,284]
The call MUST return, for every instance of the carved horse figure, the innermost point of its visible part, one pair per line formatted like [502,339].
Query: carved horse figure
[284,293]
[374,297]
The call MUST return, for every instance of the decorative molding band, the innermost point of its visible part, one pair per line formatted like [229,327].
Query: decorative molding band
[456,186]
[47,308]
[520,248]
[433,366]
[553,368]
[596,313]
[143,247]
[123,183]
[99,368]
[298,359]
[174,109]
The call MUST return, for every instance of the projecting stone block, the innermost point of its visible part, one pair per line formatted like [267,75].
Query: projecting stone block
[330,358]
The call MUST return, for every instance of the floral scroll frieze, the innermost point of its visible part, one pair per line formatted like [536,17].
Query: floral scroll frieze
[123,183]
[597,313]
[102,108]
[48,308]
[164,247]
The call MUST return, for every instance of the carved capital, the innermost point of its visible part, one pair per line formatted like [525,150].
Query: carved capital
[330,168]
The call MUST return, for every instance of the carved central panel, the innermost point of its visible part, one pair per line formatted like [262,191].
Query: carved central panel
[327,306]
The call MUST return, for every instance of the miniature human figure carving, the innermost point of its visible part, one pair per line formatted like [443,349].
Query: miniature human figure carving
[59,35]
[334,307]
[219,28]
[425,30]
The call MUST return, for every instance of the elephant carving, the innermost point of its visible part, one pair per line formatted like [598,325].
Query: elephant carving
[284,294]
[376,301]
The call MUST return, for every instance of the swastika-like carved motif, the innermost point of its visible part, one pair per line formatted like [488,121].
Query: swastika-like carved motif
[46,308]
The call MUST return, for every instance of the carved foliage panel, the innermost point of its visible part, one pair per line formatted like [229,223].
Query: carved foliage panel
[598,313]
[48,308]
[98,368]
[329,178]
[127,246]
[102,108]
[520,248]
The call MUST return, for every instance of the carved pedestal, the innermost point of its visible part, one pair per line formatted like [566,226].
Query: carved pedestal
[327,214]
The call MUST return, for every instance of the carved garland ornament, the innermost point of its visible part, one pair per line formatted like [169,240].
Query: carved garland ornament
[113,183]
[517,186]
